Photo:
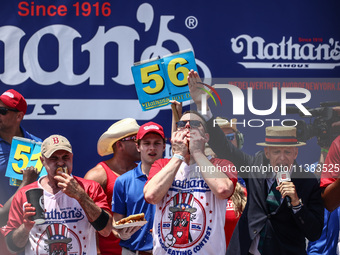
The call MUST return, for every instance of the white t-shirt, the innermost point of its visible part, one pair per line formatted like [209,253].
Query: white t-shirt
[190,218]
[66,229]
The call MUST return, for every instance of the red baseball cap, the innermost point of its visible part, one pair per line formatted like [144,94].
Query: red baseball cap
[14,99]
[150,127]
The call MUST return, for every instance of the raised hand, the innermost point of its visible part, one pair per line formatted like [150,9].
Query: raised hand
[195,87]
[29,211]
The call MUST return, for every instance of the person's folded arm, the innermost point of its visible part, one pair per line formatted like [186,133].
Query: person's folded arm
[157,187]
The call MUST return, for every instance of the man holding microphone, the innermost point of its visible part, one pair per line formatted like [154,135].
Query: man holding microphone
[270,223]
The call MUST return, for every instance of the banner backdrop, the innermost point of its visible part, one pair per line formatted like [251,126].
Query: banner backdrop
[72,60]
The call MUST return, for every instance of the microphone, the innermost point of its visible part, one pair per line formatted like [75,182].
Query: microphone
[284,176]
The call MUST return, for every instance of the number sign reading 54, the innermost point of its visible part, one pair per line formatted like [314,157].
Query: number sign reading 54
[24,153]
[161,80]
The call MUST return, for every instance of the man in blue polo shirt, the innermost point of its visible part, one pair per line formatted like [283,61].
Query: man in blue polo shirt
[13,107]
[128,196]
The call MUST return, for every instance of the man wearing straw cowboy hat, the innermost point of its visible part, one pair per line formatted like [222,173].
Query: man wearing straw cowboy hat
[271,223]
[119,140]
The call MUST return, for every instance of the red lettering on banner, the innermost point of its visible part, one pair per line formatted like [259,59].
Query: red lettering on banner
[305,39]
[26,9]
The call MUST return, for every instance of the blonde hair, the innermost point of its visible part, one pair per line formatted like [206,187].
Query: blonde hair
[239,199]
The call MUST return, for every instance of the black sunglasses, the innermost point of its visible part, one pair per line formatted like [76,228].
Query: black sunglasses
[128,138]
[4,110]
[192,123]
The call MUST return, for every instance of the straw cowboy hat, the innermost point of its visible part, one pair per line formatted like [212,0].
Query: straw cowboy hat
[117,131]
[281,137]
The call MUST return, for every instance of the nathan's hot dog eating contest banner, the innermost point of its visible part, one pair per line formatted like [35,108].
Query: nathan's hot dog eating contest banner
[74,60]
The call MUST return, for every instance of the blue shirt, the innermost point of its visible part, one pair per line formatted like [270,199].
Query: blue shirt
[327,243]
[127,199]
[6,191]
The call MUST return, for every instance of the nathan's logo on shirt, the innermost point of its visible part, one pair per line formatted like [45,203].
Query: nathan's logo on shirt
[192,183]
[58,239]
[180,228]
[64,215]
[182,214]
[57,242]
[307,53]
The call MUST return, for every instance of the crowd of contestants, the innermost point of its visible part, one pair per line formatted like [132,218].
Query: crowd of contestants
[186,211]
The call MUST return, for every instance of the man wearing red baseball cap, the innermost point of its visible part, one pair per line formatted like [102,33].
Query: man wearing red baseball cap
[128,197]
[13,107]
[14,100]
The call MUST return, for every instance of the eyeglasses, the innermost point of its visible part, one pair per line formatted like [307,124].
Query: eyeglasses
[192,123]
[4,110]
[230,137]
[128,138]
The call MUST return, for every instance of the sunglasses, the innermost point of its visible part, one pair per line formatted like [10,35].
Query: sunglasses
[128,138]
[4,110]
[192,123]
[230,137]
[183,222]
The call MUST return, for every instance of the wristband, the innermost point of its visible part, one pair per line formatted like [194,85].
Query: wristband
[101,221]
[298,207]
[179,157]
[11,245]
[324,150]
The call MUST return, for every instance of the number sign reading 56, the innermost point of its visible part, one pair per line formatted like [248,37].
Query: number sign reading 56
[161,80]
[24,153]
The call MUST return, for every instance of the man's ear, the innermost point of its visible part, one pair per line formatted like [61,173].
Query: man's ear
[42,159]
[137,147]
[119,145]
[20,116]
[266,152]
[296,151]
[206,136]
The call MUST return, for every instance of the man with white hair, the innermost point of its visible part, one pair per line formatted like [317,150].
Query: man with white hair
[279,213]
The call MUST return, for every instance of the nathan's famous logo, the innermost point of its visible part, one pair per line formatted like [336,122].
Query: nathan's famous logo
[292,55]
[64,215]
[289,96]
